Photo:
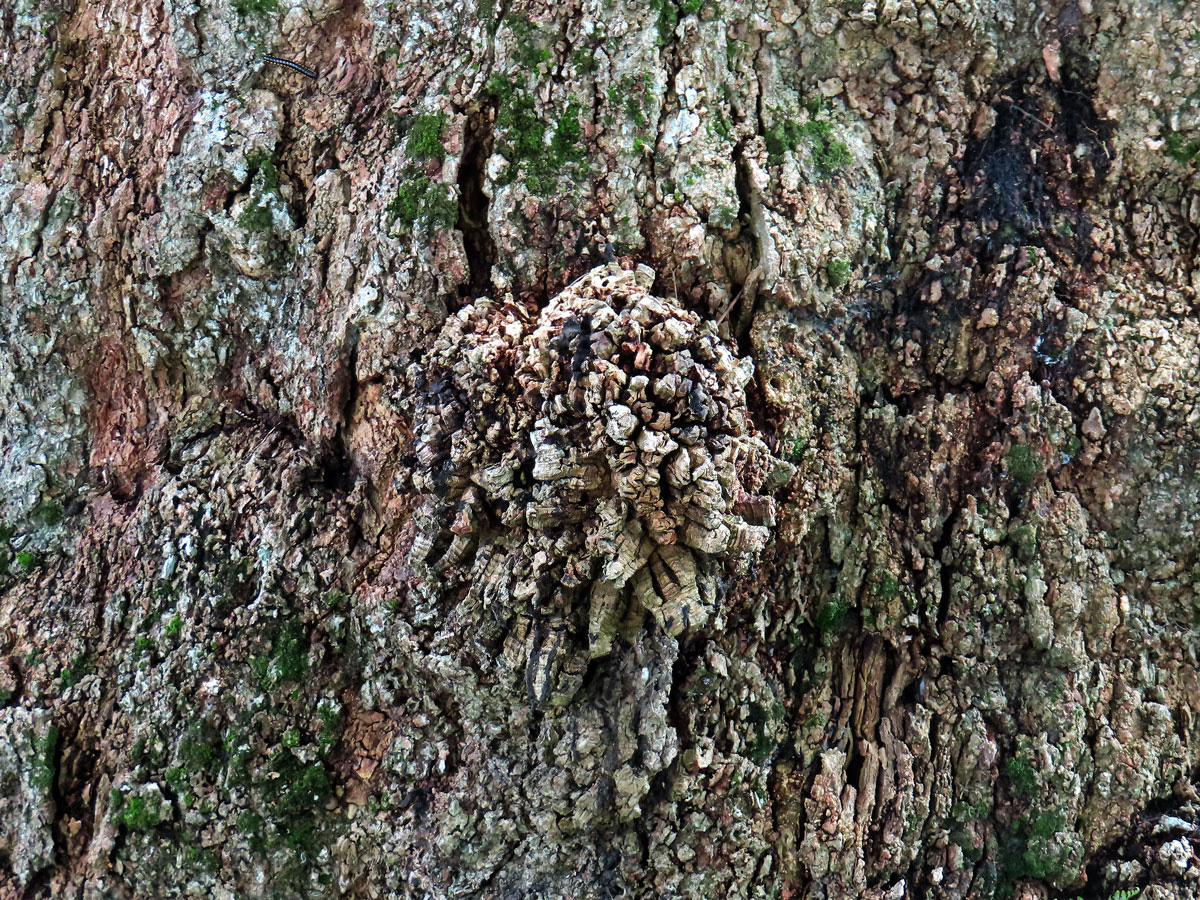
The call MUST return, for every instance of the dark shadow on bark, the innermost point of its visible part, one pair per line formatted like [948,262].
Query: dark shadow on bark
[473,203]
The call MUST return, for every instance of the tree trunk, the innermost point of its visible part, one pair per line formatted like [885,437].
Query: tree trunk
[647,449]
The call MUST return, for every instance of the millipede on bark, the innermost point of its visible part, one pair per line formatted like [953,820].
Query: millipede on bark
[280,61]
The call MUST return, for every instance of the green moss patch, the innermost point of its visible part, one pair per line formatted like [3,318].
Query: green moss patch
[838,273]
[764,721]
[668,13]
[264,168]
[43,764]
[295,794]
[887,587]
[1022,776]
[829,155]
[136,814]
[535,148]
[255,217]
[532,44]
[419,200]
[1180,149]
[1023,464]
[255,7]
[1030,849]
[288,659]
[831,616]
[425,137]
[74,673]
[48,513]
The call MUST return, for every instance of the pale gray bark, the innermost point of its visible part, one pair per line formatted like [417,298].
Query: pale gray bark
[845,549]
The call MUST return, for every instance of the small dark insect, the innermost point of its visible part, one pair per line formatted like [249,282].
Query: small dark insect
[280,61]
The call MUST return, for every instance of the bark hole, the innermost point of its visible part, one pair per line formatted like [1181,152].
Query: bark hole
[473,204]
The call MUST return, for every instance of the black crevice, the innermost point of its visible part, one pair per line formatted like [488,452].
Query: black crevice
[745,291]
[474,204]
[945,570]
[337,466]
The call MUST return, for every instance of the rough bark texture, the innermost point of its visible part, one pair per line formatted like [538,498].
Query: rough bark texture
[834,537]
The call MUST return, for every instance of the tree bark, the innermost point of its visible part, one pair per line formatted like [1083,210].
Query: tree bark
[595,449]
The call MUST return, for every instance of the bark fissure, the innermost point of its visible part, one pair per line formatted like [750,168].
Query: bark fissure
[474,205]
